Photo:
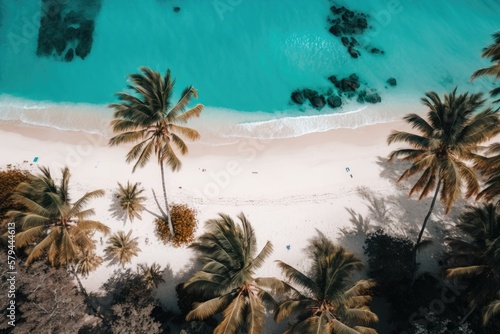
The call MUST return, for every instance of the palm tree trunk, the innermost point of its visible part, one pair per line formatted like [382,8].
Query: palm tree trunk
[428,213]
[415,248]
[86,295]
[169,220]
[467,315]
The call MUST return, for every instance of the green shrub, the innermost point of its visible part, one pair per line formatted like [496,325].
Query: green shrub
[184,221]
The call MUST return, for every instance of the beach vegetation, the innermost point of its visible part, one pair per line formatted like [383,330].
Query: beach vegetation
[87,263]
[327,299]
[493,53]
[52,225]
[46,300]
[121,248]
[131,200]
[226,283]
[185,223]
[390,260]
[128,305]
[148,119]
[474,259]
[444,145]
[9,180]
[489,165]
[151,275]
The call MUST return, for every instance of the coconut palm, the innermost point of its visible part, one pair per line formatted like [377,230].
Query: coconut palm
[147,118]
[329,302]
[87,263]
[493,52]
[226,283]
[54,225]
[476,258]
[490,169]
[121,248]
[130,200]
[445,144]
[151,275]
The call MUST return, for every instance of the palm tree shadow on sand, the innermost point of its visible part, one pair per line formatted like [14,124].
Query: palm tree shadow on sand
[116,210]
[401,216]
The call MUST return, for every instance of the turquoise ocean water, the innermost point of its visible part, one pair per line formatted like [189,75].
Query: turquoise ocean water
[245,57]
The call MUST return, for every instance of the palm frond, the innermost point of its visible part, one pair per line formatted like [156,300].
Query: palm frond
[464,271]
[255,313]
[295,276]
[210,307]
[491,310]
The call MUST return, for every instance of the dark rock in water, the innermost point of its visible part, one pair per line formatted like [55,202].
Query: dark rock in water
[376,51]
[72,34]
[309,93]
[298,97]
[333,79]
[348,15]
[69,55]
[86,39]
[336,30]
[392,82]
[59,42]
[334,101]
[361,23]
[361,96]
[329,91]
[177,9]
[50,31]
[72,18]
[317,101]
[347,85]
[337,10]
[345,24]
[66,31]
[354,77]
[336,21]
[373,98]
[353,52]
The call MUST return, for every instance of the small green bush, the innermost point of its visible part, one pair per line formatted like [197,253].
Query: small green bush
[184,221]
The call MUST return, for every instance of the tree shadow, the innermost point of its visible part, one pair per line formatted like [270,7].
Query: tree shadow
[166,293]
[116,210]
[402,216]
[392,170]
[112,260]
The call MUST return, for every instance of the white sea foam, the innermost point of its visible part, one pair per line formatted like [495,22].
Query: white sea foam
[63,116]
[216,125]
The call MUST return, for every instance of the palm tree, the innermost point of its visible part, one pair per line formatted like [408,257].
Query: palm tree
[476,258]
[490,169]
[330,303]
[52,223]
[130,200]
[122,247]
[492,52]
[147,119]
[446,141]
[87,263]
[226,283]
[151,275]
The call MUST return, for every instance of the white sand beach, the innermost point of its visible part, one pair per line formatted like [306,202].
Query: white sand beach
[288,188]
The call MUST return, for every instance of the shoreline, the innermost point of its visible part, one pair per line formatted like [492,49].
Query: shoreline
[217,126]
